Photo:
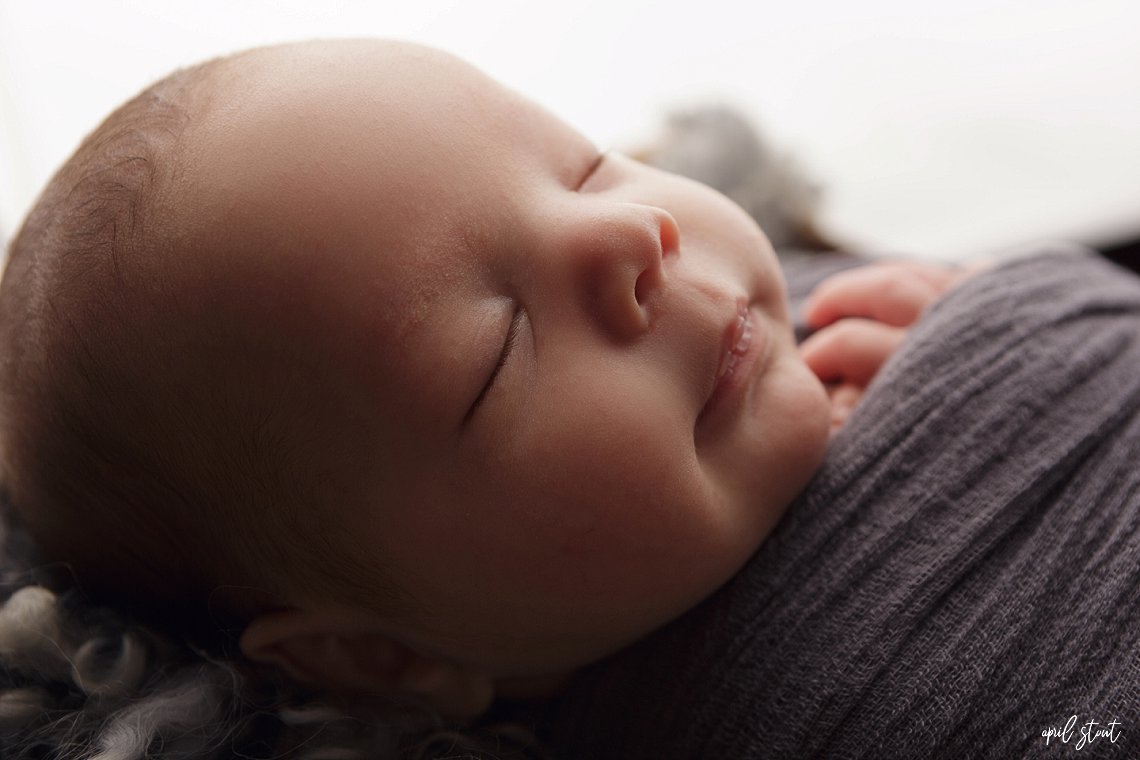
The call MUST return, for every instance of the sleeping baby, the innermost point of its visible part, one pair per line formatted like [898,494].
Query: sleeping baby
[345,350]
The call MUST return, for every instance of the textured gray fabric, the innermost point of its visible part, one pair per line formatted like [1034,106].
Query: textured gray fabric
[962,574]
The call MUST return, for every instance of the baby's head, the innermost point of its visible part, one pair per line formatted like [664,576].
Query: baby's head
[346,339]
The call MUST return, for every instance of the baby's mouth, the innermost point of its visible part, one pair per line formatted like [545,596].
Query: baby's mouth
[738,341]
[736,360]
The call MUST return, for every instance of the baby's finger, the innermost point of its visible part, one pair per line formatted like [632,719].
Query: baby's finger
[851,350]
[939,276]
[843,397]
[891,295]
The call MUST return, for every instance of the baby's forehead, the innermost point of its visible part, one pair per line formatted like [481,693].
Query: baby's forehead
[323,85]
[325,139]
[328,116]
[333,99]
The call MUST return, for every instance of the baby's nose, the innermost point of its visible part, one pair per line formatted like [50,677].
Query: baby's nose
[620,262]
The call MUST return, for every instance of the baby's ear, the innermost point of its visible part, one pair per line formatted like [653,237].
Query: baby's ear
[347,655]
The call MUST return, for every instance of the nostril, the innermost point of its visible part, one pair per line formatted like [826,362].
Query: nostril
[647,282]
[667,244]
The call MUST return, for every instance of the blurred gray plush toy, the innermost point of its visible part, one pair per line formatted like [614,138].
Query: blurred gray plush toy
[720,147]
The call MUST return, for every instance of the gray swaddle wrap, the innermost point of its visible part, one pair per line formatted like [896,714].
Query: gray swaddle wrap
[962,574]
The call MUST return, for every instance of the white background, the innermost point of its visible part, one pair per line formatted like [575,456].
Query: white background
[946,129]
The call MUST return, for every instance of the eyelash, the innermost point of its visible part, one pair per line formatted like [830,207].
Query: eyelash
[508,346]
[593,168]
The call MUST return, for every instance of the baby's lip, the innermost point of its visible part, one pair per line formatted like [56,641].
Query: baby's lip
[738,348]
[737,339]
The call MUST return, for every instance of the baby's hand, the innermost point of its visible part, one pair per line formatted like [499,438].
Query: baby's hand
[861,317]
[891,292]
[846,355]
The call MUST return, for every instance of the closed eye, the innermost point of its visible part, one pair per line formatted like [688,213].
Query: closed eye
[508,345]
[591,169]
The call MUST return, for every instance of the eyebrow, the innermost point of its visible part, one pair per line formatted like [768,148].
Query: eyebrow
[508,345]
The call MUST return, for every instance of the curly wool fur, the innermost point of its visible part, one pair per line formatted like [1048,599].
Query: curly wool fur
[99,689]
[79,681]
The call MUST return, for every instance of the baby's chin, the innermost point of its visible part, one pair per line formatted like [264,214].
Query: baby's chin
[814,410]
[802,425]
